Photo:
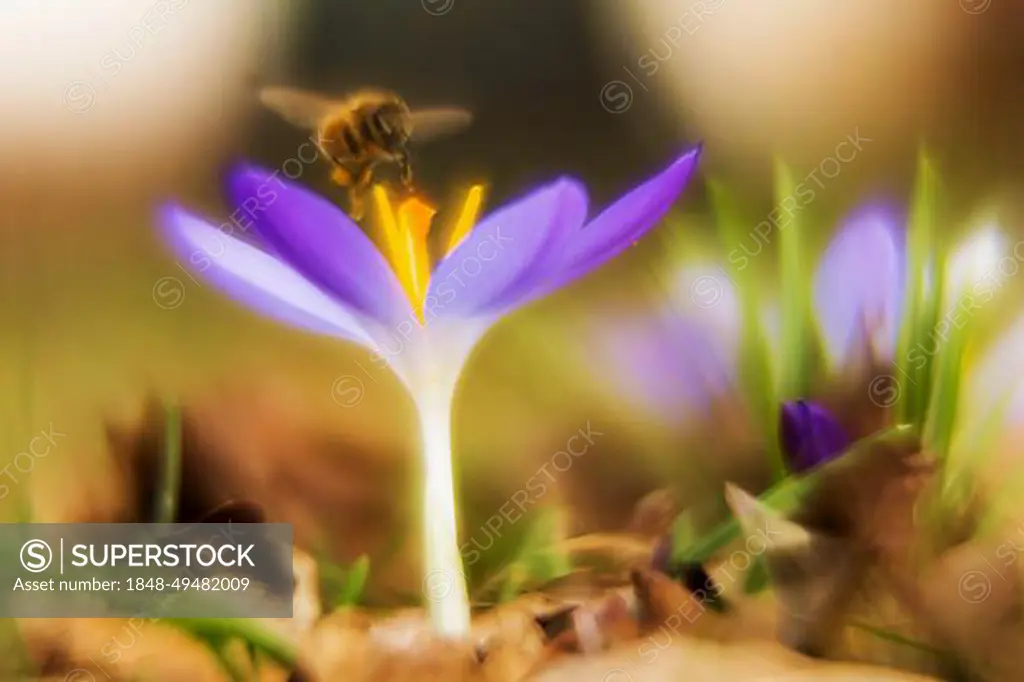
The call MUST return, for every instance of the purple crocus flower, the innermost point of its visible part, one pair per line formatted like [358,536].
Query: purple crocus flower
[682,361]
[809,435]
[309,265]
[312,267]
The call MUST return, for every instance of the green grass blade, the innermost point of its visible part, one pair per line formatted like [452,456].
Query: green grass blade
[217,630]
[928,343]
[170,479]
[917,292]
[355,582]
[754,361]
[942,408]
[783,497]
[968,453]
[795,293]
[540,558]
[757,577]
[18,663]
[982,439]
[228,663]
[896,638]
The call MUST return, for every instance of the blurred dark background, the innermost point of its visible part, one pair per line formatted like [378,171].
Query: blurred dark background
[531,71]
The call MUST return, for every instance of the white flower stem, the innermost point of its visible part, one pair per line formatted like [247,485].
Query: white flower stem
[444,582]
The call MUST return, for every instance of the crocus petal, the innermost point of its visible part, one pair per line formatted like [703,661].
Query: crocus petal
[667,364]
[861,278]
[707,295]
[507,246]
[995,381]
[625,221]
[770,317]
[321,242]
[589,246]
[809,435]
[256,279]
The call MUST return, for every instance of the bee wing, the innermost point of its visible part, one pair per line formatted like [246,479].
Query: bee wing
[428,124]
[299,107]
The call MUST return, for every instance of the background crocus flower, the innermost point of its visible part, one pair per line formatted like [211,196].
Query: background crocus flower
[684,359]
[310,266]
[892,319]
[809,435]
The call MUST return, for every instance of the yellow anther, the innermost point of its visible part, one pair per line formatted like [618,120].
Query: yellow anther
[389,228]
[467,218]
[406,232]
[414,216]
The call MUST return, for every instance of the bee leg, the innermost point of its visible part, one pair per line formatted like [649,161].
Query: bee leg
[341,176]
[355,204]
[364,177]
[359,187]
[405,165]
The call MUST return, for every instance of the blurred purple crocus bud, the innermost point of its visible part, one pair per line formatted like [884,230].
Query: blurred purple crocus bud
[809,435]
[661,557]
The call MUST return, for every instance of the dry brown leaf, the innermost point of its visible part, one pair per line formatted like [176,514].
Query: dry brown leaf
[117,649]
[814,577]
[654,514]
[970,599]
[252,440]
[352,645]
[862,496]
[656,659]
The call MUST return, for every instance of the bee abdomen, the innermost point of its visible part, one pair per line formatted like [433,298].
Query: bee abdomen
[370,130]
[342,140]
[352,142]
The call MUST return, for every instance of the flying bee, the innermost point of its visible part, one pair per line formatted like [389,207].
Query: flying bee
[362,130]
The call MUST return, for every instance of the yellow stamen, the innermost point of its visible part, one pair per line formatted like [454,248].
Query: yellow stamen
[467,218]
[405,238]
[389,226]
[414,218]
